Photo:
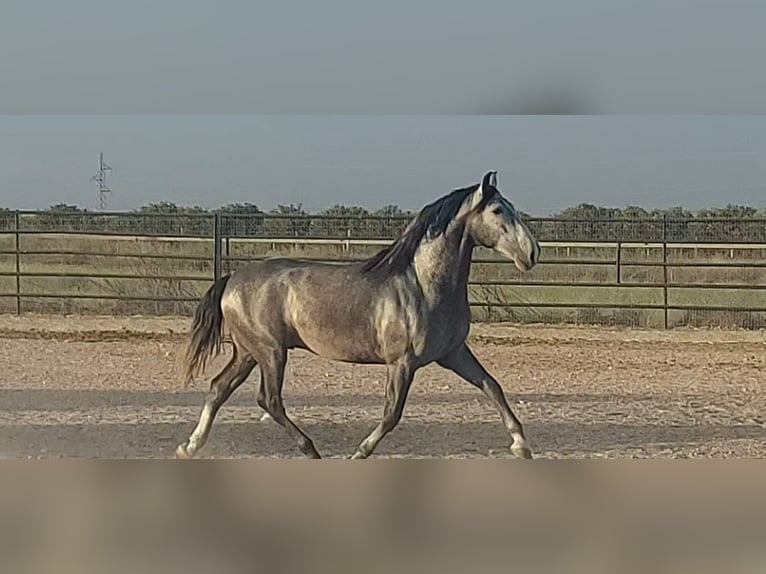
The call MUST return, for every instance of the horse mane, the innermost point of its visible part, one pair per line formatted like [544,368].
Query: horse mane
[429,223]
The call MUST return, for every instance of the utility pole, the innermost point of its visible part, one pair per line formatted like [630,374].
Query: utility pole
[100,179]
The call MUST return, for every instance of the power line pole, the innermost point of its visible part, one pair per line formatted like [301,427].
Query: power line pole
[100,179]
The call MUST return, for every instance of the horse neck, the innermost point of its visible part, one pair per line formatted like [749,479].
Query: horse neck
[442,266]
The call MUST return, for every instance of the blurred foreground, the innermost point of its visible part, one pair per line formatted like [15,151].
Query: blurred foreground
[376,516]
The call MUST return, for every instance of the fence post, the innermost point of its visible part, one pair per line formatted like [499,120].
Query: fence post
[18,262]
[217,247]
[619,262]
[665,271]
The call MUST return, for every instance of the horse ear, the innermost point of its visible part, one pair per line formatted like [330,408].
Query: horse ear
[493,179]
[480,195]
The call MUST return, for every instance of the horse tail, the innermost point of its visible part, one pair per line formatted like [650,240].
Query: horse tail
[206,336]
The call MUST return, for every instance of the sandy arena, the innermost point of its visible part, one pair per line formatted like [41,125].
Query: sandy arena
[98,387]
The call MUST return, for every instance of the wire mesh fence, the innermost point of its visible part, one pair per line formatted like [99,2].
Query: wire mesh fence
[650,272]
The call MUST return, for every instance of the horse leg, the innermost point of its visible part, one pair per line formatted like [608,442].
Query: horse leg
[221,387]
[270,400]
[397,387]
[463,363]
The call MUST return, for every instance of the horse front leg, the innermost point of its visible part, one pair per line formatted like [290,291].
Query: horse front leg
[463,363]
[397,386]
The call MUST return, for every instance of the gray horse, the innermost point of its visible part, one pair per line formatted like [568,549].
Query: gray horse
[405,307]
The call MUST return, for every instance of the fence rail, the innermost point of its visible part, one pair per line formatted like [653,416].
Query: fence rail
[642,272]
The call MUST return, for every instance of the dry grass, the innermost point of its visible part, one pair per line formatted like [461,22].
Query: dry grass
[146,260]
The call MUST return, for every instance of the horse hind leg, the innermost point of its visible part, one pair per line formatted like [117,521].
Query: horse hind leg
[270,400]
[222,386]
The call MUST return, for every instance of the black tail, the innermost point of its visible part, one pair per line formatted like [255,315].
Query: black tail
[206,331]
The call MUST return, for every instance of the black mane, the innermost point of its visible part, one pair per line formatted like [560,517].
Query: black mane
[430,222]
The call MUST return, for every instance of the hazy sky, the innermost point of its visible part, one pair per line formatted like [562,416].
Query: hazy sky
[544,162]
[142,63]
[398,56]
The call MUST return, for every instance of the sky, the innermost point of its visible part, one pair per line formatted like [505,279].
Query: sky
[544,163]
[614,102]
[394,57]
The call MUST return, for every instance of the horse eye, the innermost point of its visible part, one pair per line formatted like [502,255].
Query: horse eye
[497,210]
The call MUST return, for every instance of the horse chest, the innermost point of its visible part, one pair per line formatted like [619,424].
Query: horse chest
[446,335]
[437,334]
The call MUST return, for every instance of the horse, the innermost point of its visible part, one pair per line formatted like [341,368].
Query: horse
[405,307]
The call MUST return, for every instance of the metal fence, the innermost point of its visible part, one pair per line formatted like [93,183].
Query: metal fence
[658,272]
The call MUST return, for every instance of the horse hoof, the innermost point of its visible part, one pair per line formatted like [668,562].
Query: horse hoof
[521,451]
[182,452]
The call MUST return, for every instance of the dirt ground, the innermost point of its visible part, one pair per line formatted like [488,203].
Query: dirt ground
[107,387]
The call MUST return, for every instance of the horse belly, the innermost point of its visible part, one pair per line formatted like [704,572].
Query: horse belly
[340,347]
[337,333]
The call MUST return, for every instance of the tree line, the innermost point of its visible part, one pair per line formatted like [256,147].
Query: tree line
[584,222]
